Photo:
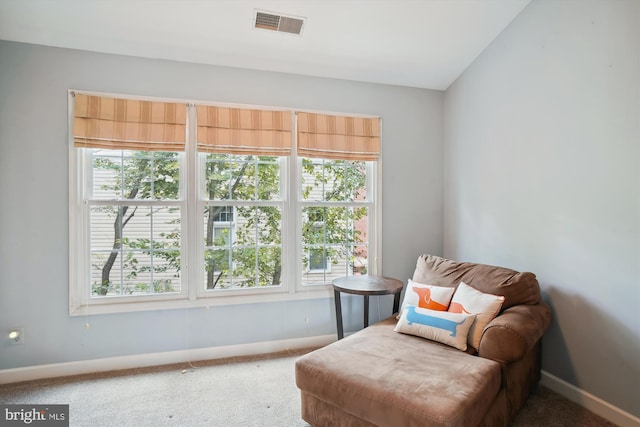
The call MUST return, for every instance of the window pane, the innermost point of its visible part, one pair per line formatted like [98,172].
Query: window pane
[268,179]
[217,271]
[166,271]
[102,228]
[360,260]
[333,180]
[165,227]
[107,177]
[136,269]
[244,267]
[105,280]
[321,264]
[256,266]
[217,175]
[222,213]
[140,175]
[360,225]
[269,266]
[166,175]
[232,177]
[136,227]
[258,225]
[318,259]
[135,250]
[243,179]
[338,225]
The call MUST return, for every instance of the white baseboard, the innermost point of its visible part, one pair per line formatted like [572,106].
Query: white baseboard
[589,401]
[156,359]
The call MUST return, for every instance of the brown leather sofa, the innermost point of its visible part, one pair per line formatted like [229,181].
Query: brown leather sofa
[378,377]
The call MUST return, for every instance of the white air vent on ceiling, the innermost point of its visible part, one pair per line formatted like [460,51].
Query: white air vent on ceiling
[278,22]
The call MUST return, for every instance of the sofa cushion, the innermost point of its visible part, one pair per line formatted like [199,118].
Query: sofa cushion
[391,379]
[441,326]
[516,287]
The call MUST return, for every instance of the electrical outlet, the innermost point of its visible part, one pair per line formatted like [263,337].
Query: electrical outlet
[16,335]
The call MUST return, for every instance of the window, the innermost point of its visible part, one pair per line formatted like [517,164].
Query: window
[249,254]
[336,195]
[335,219]
[253,210]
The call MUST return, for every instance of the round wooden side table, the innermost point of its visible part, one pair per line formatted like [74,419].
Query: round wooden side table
[366,286]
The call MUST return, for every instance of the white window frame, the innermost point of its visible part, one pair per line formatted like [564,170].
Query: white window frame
[192,203]
[284,204]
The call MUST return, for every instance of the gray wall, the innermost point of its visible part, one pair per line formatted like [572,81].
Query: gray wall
[34,194]
[542,173]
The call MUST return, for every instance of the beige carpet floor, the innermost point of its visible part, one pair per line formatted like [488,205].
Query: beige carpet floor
[258,391]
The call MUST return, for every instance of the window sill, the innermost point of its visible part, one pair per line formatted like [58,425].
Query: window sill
[309,292]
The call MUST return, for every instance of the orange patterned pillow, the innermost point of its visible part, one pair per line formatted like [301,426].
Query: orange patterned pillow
[427,296]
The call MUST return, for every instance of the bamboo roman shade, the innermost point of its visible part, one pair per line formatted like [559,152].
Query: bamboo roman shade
[244,131]
[338,137]
[128,124]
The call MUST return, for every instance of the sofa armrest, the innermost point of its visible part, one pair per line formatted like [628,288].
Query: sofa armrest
[511,335]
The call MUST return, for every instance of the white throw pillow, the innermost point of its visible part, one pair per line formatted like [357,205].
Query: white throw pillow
[485,306]
[441,326]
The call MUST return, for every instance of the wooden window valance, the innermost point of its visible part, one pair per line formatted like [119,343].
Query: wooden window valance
[128,124]
[338,137]
[244,131]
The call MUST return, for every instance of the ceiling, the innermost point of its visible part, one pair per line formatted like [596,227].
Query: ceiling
[418,43]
